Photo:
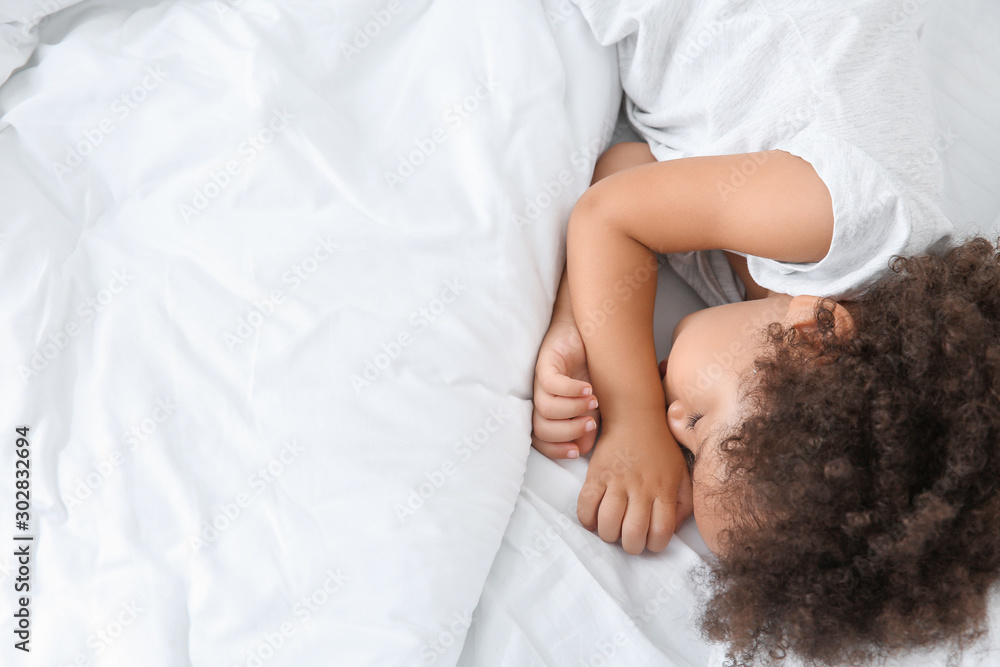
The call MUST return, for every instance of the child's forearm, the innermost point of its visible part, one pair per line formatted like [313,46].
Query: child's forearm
[613,289]
[617,158]
[562,310]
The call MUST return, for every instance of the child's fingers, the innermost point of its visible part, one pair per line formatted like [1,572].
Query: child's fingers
[557,407]
[586,441]
[556,450]
[662,523]
[611,514]
[636,524]
[553,381]
[561,430]
[588,502]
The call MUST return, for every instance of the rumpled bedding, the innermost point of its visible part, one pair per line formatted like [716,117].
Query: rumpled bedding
[275,275]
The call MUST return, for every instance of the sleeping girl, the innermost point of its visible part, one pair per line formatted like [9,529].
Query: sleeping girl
[832,420]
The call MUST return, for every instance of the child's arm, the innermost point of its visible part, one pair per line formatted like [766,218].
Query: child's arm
[783,211]
[563,423]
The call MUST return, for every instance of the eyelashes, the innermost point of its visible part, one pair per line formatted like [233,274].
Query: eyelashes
[688,454]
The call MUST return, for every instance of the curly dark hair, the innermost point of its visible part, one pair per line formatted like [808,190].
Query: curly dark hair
[868,477]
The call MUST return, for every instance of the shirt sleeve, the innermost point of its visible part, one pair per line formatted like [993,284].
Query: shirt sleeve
[872,222]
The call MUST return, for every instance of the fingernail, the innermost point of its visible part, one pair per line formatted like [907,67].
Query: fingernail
[587,391]
[591,425]
[572,454]
[592,405]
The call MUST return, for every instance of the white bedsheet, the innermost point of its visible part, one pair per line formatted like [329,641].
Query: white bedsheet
[274,278]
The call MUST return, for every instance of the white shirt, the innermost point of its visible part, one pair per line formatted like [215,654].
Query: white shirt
[839,84]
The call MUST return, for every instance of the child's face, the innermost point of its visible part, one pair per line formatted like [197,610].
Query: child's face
[713,350]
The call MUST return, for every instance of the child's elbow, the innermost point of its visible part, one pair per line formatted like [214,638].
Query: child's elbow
[591,215]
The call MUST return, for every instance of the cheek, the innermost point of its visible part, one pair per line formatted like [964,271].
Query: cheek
[710,524]
[707,513]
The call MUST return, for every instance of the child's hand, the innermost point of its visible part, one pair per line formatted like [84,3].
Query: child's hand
[638,487]
[565,416]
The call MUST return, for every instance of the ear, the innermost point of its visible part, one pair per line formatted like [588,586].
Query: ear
[802,316]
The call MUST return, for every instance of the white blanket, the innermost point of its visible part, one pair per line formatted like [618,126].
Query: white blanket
[275,275]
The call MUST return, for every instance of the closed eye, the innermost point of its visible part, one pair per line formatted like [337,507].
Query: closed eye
[693,419]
